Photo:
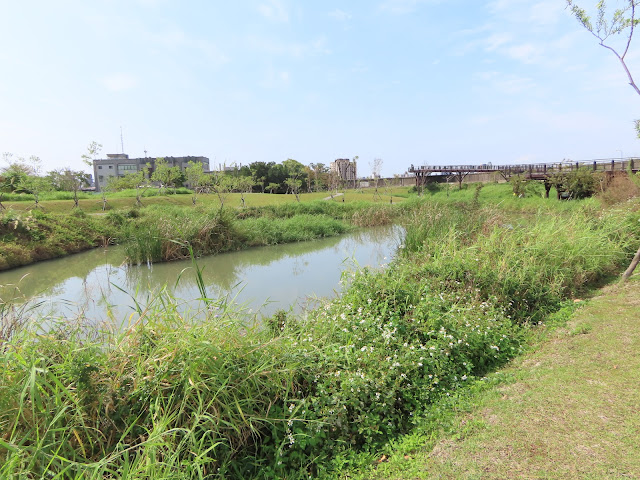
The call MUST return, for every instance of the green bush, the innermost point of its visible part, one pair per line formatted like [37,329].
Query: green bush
[301,227]
[163,233]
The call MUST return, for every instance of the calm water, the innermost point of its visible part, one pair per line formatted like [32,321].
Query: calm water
[263,279]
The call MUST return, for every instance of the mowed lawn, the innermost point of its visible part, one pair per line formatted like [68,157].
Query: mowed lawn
[93,205]
[570,409]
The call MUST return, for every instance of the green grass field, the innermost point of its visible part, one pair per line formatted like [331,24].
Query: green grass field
[93,204]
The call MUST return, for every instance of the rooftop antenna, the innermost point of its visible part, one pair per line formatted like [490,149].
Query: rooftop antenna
[145,153]
[121,140]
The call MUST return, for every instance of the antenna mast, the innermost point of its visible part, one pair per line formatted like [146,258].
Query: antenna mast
[121,140]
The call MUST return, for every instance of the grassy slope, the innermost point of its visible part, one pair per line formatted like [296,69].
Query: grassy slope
[94,204]
[568,409]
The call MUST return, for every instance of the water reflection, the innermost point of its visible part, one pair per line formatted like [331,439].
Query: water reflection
[280,276]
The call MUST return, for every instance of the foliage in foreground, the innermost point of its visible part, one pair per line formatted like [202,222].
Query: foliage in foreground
[179,398]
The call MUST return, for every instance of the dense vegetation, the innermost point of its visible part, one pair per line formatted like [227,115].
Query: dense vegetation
[174,397]
[29,237]
[170,232]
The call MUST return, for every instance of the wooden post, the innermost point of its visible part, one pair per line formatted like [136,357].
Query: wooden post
[613,165]
[595,166]
[632,267]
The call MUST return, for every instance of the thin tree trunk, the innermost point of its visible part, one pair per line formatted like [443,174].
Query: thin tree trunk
[632,266]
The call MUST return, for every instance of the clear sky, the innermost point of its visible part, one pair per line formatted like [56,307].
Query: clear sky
[408,81]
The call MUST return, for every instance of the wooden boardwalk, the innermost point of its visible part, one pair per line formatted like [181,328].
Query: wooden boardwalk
[531,171]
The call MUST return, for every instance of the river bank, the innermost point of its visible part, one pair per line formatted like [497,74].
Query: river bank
[567,409]
[174,397]
[164,232]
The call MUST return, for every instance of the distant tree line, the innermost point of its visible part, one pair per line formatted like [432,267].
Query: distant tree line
[23,175]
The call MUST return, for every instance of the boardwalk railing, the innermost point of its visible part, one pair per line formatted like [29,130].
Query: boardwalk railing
[538,169]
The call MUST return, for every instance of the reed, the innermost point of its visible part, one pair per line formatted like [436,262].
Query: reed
[301,227]
[172,233]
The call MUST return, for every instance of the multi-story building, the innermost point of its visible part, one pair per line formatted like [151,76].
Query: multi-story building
[119,164]
[345,168]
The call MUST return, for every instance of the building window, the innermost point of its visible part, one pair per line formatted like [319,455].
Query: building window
[100,178]
[110,167]
[99,167]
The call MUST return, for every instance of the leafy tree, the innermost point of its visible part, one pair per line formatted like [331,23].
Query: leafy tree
[294,184]
[622,21]
[320,173]
[196,178]
[278,175]
[606,28]
[222,185]
[273,186]
[294,169]
[164,174]
[93,149]
[138,180]
[13,174]
[34,183]
[523,187]
[260,173]
[69,181]
[244,185]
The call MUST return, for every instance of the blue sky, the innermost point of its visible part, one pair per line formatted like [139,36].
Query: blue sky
[407,81]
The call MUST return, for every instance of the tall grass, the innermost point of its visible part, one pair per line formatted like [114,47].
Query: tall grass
[172,233]
[302,227]
[167,398]
[359,213]
[530,262]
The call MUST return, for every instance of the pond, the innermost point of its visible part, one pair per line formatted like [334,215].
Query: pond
[262,280]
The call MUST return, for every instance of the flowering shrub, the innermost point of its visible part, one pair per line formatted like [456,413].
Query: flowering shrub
[380,355]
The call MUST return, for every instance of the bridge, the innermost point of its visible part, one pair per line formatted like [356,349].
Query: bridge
[531,171]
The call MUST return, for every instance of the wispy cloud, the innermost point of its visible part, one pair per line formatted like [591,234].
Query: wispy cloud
[275,47]
[401,7]
[119,82]
[520,30]
[359,67]
[176,39]
[525,53]
[340,15]
[275,78]
[506,83]
[274,10]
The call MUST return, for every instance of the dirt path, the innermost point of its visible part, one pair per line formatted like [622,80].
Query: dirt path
[332,197]
[572,410]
